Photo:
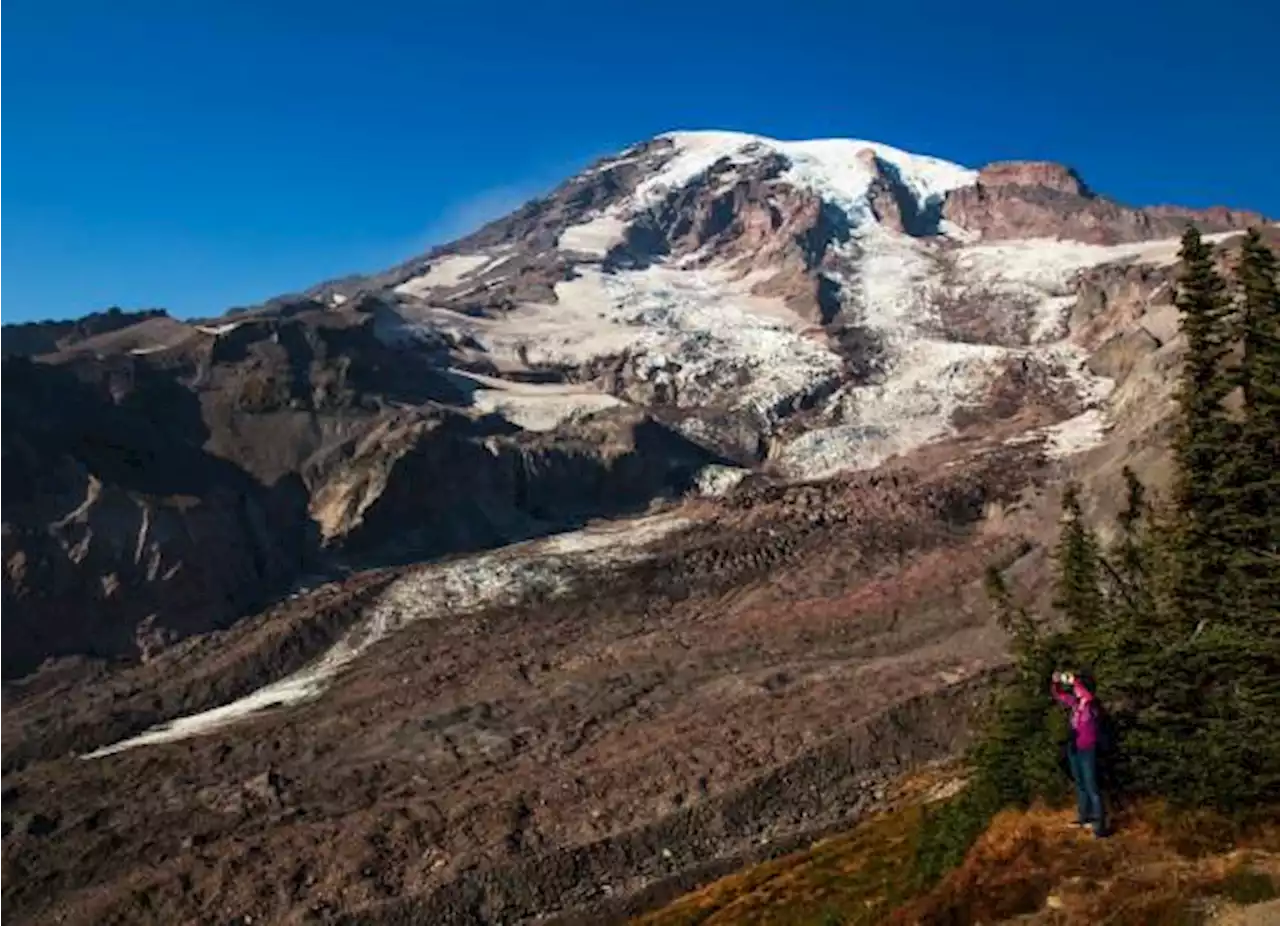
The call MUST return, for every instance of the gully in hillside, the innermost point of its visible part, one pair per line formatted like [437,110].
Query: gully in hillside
[1082,747]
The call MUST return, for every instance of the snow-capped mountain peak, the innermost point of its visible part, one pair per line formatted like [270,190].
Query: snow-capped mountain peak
[814,305]
[840,170]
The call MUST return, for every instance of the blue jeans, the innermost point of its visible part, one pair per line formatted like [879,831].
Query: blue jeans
[1084,771]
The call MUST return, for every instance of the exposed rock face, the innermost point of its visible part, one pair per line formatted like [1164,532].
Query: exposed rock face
[1033,199]
[120,533]
[1214,218]
[526,239]
[745,217]
[699,701]
[159,495]
[31,338]
[492,489]
[893,204]
[1045,174]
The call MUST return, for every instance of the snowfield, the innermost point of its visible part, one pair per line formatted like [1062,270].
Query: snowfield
[699,332]
[535,406]
[703,337]
[829,167]
[445,272]
[927,381]
[596,237]
[695,335]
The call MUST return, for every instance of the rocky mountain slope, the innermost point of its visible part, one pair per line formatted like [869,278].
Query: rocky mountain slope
[840,379]
[801,308]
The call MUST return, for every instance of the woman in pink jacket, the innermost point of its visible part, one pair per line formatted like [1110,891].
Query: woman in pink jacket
[1082,748]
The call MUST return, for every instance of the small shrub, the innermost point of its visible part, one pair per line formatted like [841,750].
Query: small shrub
[947,831]
[1244,885]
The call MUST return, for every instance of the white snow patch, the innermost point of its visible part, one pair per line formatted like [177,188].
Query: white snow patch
[217,330]
[594,238]
[1049,318]
[1049,263]
[696,153]
[626,157]
[831,167]
[579,327]
[1042,270]
[536,406]
[716,479]
[447,271]
[700,332]
[552,566]
[1077,434]
[894,292]
[896,284]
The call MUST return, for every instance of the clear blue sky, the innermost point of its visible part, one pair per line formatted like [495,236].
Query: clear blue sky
[198,155]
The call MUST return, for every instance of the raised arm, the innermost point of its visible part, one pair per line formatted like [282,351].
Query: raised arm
[1059,693]
[1083,693]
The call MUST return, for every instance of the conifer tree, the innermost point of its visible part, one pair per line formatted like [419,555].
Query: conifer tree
[1129,566]
[1254,471]
[1207,695]
[1259,320]
[1078,590]
[1135,612]
[1204,436]
[1017,759]
[1012,618]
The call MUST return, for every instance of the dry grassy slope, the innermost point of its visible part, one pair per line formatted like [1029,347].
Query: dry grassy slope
[854,877]
[1036,868]
[1028,868]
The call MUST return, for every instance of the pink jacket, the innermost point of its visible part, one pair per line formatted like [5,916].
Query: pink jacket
[1084,718]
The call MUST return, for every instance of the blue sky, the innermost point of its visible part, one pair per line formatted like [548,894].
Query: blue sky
[199,155]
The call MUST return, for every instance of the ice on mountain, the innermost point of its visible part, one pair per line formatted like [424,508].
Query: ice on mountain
[830,168]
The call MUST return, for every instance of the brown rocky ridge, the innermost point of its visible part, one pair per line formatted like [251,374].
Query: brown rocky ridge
[1028,199]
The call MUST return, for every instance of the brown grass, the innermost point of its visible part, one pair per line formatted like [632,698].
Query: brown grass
[1160,868]
[851,879]
[854,879]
